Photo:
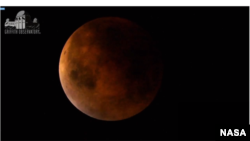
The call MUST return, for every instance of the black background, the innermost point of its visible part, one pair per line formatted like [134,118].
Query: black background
[205,80]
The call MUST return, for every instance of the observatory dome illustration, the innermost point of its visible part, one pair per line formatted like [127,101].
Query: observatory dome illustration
[23,21]
[22,24]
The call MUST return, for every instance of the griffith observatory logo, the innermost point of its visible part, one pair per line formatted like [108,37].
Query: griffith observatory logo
[23,24]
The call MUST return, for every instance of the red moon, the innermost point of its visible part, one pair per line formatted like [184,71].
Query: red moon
[110,69]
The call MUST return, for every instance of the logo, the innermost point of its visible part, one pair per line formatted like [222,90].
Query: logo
[230,132]
[23,24]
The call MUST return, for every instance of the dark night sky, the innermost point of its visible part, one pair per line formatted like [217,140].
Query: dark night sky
[205,82]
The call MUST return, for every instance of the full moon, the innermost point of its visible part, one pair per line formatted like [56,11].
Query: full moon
[110,69]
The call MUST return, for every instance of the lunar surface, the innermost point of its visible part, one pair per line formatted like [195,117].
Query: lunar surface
[110,69]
